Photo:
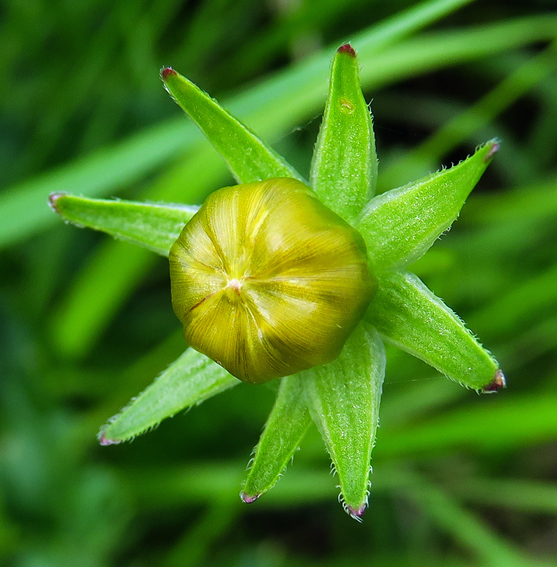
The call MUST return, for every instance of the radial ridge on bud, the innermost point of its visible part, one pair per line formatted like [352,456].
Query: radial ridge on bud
[283,274]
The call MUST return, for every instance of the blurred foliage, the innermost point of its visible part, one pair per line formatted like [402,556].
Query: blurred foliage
[85,322]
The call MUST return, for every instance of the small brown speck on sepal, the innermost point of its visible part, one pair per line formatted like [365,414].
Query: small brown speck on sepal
[166,72]
[496,384]
[52,198]
[492,151]
[104,441]
[249,499]
[347,48]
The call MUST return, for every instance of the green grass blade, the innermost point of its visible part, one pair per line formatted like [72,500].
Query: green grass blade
[430,51]
[491,426]
[23,208]
[464,526]
[406,22]
[209,482]
[410,316]
[419,212]
[326,14]
[283,433]
[150,226]
[416,398]
[188,381]
[199,539]
[474,118]
[502,96]
[344,167]
[271,108]
[247,156]
[343,398]
[99,289]
[520,303]
[527,495]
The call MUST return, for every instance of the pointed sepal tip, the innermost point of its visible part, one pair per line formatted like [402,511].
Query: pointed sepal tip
[167,72]
[347,48]
[105,441]
[494,148]
[496,384]
[356,513]
[52,200]
[248,499]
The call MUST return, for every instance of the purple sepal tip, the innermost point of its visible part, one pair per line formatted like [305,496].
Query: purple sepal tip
[104,440]
[247,498]
[496,384]
[347,48]
[492,151]
[52,198]
[357,513]
[166,72]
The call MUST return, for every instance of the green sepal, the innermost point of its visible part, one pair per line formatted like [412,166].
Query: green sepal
[286,426]
[411,317]
[401,225]
[188,381]
[343,398]
[248,158]
[150,226]
[344,166]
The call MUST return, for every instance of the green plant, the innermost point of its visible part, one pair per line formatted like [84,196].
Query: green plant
[399,226]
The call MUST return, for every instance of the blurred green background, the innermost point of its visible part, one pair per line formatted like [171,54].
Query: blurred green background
[86,322]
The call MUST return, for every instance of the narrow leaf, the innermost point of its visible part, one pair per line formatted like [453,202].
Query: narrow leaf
[410,316]
[247,156]
[273,107]
[400,225]
[283,433]
[524,494]
[497,426]
[344,167]
[97,292]
[22,207]
[485,110]
[151,226]
[343,398]
[470,531]
[188,381]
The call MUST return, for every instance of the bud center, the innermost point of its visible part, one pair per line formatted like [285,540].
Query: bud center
[235,285]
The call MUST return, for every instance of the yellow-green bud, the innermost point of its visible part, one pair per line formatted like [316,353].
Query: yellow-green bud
[267,281]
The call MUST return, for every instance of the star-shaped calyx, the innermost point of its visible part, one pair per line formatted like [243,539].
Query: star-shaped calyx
[329,356]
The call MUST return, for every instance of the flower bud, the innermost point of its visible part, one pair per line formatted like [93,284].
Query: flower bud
[267,281]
